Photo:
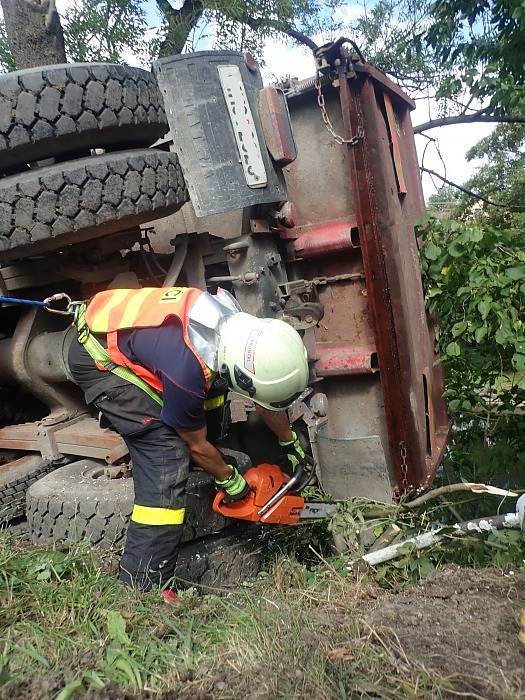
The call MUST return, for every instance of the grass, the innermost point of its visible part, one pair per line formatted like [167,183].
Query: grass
[68,628]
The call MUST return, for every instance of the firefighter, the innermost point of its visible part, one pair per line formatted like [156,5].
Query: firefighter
[154,362]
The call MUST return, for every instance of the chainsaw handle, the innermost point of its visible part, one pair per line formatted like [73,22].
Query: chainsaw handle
[304,476]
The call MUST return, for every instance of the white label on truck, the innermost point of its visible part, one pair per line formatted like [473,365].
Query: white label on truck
[243,126]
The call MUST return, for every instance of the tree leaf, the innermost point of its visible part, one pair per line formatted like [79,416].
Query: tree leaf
[455,249]
[459,328]
[431,251]
[480,333]
[518,362]
[516,273]
[453,349]
[426,567]
[502,336]
[484,307]
[475,235]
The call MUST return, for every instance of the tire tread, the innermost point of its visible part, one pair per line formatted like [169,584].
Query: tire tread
[89,196]
[46,111]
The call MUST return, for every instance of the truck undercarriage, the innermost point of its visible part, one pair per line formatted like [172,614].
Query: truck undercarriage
[305,211]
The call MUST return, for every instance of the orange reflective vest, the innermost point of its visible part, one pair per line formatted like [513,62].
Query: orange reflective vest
[118,309]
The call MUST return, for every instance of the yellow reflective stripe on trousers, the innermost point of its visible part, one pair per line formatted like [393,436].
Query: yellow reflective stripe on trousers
[157,516]
[216,402]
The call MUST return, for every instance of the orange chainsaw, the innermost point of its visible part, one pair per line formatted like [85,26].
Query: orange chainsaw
[274,498]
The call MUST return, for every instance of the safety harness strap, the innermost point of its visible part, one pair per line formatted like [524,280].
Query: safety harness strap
[213,403]
[98,353]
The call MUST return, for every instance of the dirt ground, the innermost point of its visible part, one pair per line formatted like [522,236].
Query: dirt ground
[462,623]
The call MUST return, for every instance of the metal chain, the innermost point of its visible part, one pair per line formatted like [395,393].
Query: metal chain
[326,119]
[404,466]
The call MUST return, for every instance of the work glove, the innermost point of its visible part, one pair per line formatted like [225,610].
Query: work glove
[295,455]
[235,486]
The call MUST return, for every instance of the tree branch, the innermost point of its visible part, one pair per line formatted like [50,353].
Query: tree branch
[455,488]
[463,189]
[256,24]
[469,119]
[300,37]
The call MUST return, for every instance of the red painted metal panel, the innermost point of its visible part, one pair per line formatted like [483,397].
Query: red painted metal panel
[334,359]
[275,121]
[331,237]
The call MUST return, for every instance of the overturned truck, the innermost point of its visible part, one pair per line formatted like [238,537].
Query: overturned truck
[301,201]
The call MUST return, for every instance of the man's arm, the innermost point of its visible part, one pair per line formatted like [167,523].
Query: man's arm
[204,453]
[278,423]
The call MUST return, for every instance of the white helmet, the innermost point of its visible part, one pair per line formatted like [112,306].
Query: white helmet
[263,358]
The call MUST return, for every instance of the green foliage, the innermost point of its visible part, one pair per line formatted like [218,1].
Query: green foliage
[468,56]
[500,176]
[359,522]
[474,279]
[6,59]
[390,34]
[444,202]
[242,25]
[485,43]
[105,30]
[485,449]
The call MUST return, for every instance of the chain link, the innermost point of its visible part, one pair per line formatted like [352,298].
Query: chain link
[404,466]
[326,119]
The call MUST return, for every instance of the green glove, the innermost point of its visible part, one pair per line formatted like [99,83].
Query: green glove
[295,454]
[235,486]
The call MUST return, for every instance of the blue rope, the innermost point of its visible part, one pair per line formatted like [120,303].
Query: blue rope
[28,302]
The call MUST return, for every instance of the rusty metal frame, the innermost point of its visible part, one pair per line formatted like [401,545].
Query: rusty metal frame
[81,436]
[389,251]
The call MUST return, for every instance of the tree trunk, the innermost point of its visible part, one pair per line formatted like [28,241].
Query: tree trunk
[180,23]
[34,32]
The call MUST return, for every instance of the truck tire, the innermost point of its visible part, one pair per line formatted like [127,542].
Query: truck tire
[79,502]
[45,209]
[65,109]
[15,480]
[221,560]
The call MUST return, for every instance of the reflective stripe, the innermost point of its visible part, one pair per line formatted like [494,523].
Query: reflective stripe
[157,516]
[101,318]
[134,306]
[216,402]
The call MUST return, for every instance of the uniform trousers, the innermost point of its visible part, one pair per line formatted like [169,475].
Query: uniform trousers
[160,460]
